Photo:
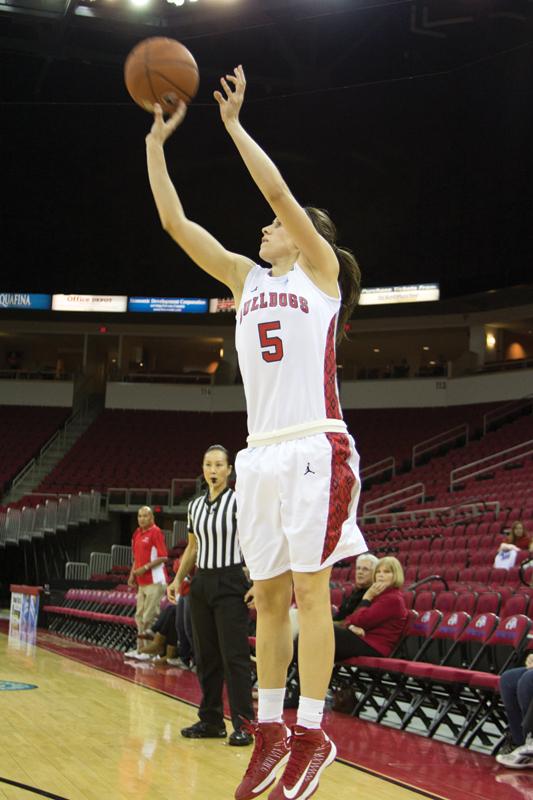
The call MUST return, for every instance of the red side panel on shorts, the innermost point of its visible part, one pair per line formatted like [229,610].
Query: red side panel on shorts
[340,491]
[331,398]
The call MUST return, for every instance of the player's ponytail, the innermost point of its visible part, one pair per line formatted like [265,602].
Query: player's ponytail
[349,273]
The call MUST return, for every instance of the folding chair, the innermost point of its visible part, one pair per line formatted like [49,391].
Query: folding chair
[502,652]
[366,673]
[466,601]
[389,672]
[416,688]
[445,601]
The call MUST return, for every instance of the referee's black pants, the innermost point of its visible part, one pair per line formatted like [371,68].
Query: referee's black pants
[220,633]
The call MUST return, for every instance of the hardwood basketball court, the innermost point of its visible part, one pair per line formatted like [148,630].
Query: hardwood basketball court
[96,728]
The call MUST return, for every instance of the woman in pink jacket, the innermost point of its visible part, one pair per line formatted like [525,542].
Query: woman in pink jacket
[376,627]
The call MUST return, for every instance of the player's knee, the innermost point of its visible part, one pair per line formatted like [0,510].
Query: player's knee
[271,604]
[309,598]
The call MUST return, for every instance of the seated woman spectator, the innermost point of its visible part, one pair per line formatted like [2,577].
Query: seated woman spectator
[375,628]
[516,688]
[517,538]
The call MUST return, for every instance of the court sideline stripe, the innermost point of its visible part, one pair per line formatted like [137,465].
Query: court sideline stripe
[375,774]
[32,789]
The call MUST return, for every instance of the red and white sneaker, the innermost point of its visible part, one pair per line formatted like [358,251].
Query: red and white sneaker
[271,752]
[311,752]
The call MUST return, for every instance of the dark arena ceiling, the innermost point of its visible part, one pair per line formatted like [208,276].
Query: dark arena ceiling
[411,121]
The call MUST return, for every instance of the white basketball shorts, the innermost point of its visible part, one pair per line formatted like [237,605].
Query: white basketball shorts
[297,503]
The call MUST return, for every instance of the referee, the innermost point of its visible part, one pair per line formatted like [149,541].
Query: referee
[218,596]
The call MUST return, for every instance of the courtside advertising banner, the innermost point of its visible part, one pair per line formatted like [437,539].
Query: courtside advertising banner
[168,305]
[24,301]
[221,304]
[105,303]
[23,614]
[390,295]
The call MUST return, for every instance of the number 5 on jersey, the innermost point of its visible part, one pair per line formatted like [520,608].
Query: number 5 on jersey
[271,346]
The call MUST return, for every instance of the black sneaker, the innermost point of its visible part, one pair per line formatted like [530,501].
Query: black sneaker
[203,730]
[240,738]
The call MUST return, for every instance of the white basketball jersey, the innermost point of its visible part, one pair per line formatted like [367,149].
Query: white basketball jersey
[285,339]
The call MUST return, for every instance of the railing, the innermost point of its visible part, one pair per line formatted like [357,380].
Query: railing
[492,462]
[38,522]
[27,520]
[100,563]
[76,571]
[428,445]
[420,514]
[162,377]
[525,565]
[507,410]
[57,513]
[50,516]
[12,527]
[123,497]
[414,491]
[428,579]
[121,556]
[63,514]
[180,531]
[386,465]
[128,497]
[506,364]
[35,375]
[476,507]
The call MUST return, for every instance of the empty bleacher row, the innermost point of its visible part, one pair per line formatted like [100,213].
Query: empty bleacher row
[39,516]
[105,618]
[143,449]
[108,453]
[509,481]
[23,432]
[380,433]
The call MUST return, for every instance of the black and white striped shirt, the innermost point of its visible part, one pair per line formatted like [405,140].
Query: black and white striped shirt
[214,524]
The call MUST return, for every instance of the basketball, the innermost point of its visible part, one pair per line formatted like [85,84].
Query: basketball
[160,70]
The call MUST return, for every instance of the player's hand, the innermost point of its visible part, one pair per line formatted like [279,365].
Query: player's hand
[132,582]
[231,104]
[162,129]
[529,661]
[172,592]
[358,631]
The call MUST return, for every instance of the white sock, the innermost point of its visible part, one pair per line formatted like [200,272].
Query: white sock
[310,712]
[270,705]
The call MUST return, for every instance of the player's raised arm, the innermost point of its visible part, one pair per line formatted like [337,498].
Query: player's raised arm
[199,244]
[317,252]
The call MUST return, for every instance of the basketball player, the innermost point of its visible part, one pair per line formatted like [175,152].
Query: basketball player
[297,482]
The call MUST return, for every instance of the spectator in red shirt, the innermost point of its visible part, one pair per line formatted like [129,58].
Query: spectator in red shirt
[148,573]
[376,627]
